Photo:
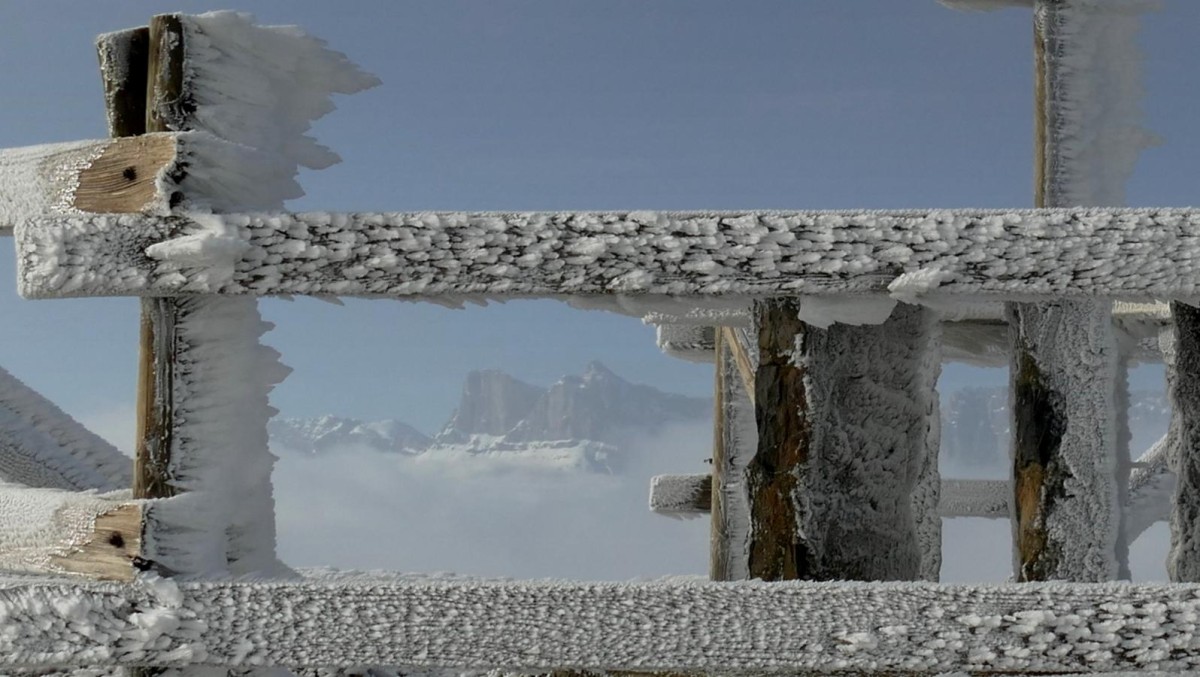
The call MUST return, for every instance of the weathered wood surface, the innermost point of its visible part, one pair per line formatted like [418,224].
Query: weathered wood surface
[1135,254]
[717,627]
[684,495]
[843,423]
[1064,369]
[52,531]
[115,175]
[724,490]
[157,340]
[124,57]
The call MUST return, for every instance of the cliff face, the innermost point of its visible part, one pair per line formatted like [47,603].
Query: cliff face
[492,403]
[605,407]
[586,421]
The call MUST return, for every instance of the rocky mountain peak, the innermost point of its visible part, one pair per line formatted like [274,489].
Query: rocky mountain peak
[492,402]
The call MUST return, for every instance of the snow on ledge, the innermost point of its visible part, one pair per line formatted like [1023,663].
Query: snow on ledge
[1132,254]
[746,627]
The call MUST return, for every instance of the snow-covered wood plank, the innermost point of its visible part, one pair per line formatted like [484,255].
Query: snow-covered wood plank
[916,256]
[746,627]
[842,437]
[52,531]
[684,495]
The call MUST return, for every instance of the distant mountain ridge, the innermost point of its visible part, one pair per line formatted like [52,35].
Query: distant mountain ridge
[586,421]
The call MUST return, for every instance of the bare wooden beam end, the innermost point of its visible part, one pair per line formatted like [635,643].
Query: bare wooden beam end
[109,176]
[50,531]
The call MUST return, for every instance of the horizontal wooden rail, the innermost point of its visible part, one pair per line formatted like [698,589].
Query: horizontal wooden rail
[748,627]
[685,495]
[915,256]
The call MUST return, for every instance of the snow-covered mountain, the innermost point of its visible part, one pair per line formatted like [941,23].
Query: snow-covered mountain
[331,433]
[585,422]
[975,428]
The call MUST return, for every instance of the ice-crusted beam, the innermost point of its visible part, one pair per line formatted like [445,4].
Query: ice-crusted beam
[51,531]
[42,446]
[843,421]
[1023,254]
[724,491]
[684,495]
[1151,489]
[469,625]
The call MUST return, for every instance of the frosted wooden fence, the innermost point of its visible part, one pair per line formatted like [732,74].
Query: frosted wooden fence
[827,330]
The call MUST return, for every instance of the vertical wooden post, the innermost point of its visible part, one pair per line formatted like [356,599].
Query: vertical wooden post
[734,438]
[124,67]
[1063,373]
[1183,561]
[843,420]
[164,104]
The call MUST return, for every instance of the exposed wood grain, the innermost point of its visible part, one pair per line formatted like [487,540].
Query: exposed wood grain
[124,177]
[843,429]
[51,531]
[113,549]
[106,176]
[163,103]
[725,489]
[777,551]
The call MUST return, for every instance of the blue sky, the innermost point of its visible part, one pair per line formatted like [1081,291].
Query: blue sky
[573,104]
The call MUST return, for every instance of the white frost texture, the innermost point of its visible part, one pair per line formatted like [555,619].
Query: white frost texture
[256,88]
[42,446]
[671,626]
[262,86]
[1024,254]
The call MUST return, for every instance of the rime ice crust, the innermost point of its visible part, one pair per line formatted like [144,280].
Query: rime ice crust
[1135,254]
[256,89]
[42,179]
[747,627]
[44,447]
